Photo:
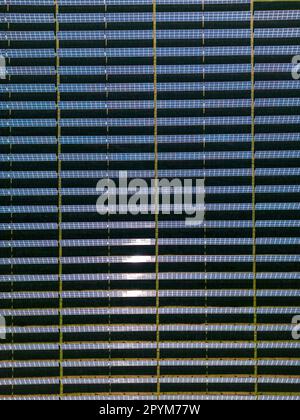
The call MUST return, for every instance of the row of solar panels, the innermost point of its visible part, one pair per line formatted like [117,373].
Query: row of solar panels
[141,380]
[162,241]
[148,87]
[149,259]
[88,157]
[148,104]
[103,294]
[144,70]
[131,346]
[145,139]
[280,50]
[148,122]
[211,173]
[162,34]
[102,277]
[131,363]
[140,17]
[118,2]
[219,224]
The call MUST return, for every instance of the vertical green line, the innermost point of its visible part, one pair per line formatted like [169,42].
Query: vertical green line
[254,194]
[156,193]
[108,215]
[11,213]
[204,227]
[59,185]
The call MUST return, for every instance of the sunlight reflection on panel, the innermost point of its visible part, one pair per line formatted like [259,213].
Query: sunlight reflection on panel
[138,259]
[134,293]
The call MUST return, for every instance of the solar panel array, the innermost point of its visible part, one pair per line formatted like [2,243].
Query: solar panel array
[145,306]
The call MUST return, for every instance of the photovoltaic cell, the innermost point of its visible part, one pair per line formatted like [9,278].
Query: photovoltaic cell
[144,306]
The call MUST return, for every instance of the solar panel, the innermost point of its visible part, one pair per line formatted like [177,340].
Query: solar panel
[143,305]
